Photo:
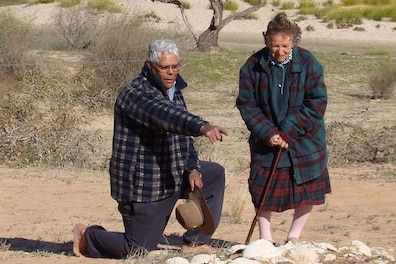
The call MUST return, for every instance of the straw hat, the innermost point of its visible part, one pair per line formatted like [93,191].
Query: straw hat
[195,213]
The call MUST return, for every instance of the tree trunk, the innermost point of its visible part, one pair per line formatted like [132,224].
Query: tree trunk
[208,39]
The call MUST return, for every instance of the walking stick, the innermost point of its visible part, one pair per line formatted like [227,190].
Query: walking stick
[264,194]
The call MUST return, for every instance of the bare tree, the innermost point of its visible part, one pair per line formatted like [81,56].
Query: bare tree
[209,38]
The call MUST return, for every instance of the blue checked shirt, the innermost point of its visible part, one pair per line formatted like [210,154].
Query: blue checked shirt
[152,141]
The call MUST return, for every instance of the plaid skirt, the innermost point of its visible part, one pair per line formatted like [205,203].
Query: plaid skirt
[285,193]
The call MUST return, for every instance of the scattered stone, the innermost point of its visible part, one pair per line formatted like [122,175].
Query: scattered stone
[310,28]
[357,246]
[382,253]
[177,260]
[244,261]
[263,251]
[330,258]
[303,254]
[359,29]
[205,258]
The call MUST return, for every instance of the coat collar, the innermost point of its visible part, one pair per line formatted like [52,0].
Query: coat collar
[295,62]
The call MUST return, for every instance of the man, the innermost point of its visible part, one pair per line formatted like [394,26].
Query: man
[154,162]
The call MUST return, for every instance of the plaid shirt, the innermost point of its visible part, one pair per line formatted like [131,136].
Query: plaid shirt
[152,143]
[303,127]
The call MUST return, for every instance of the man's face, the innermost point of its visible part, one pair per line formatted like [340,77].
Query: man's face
[280,45]
[166,69]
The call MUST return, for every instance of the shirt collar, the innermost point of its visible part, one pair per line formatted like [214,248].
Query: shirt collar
[171,92]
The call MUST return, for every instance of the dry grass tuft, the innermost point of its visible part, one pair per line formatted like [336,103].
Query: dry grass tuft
[75,24]
[14,41]
[33,133]
[349,143]
[383,82]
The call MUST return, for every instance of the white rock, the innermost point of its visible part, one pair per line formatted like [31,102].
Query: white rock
[282,260]
[244,261]
[303,254]
[235,248]
[377,261]
[205,259]
[262,249]
[381,252]
[330,257]
[326,246]
[357,246]
[177,260]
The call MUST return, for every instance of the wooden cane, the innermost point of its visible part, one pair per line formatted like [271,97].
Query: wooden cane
[264,194]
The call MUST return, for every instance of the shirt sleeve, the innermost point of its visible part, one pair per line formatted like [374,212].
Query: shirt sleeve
[257,120]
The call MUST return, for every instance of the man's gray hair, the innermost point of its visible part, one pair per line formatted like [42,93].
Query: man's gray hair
[159,47]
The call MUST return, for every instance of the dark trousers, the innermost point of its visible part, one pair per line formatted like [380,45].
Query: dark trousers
[145,223]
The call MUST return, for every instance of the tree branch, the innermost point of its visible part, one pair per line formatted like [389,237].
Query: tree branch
[184,16]
[241,14]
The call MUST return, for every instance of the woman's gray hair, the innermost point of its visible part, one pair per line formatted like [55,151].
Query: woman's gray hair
[281,24]
[159,47]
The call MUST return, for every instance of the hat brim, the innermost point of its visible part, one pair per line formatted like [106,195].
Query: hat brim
[208,226]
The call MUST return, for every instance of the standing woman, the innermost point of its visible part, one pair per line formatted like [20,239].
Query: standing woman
[282,99]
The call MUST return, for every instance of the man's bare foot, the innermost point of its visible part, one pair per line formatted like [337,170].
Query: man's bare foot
[79,242]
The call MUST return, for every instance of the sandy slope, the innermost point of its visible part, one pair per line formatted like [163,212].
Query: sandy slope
[241,34]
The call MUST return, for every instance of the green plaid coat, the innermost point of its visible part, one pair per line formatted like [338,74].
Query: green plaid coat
[303,128]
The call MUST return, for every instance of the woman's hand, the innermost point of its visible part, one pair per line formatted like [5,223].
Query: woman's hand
[277,140]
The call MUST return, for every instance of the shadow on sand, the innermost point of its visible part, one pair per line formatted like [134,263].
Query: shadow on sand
[31,245]
[172,242]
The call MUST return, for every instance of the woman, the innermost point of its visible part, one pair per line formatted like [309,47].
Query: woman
[282,99]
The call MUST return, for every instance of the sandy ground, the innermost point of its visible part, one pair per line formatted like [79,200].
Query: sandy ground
[242,34]
[39,206]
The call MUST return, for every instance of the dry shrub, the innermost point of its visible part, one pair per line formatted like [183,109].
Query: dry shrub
[119,51]
[382,83]
[33,134]
[14,40]
[43,126]
[104,5]
[350,143]
[36,2]
[240,203]
[69,3]
[75,24]
[115,57]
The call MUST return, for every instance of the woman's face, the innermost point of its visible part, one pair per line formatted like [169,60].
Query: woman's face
[166,69]
[280,45]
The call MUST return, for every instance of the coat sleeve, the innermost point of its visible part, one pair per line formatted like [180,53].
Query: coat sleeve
[257,117]
[304,117]
[151,109]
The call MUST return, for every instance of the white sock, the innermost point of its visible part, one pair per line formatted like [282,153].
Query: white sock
[264,222]
[301,215]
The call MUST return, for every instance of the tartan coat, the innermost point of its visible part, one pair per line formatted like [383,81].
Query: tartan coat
[303,128]
[152,140]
